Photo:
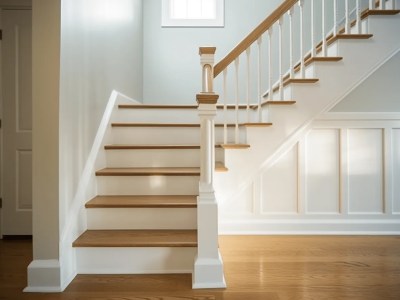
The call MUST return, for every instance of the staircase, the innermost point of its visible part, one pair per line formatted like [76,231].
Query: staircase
[145,218]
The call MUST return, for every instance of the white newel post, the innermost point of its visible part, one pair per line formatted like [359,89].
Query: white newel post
[208,268]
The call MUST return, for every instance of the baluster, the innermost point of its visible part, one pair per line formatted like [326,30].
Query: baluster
[393,4]
[290,12]
[225,73]
[248,52]
[259,42]
[280,23]
[301,4]
[371,4]
[382,4]
[323,30]
[335,17]
[347,18]
[312,30]
[358,18]
[237,101]
[270,93]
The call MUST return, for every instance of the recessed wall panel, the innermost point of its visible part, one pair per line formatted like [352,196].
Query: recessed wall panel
[365,169]
[24,180]
[322,171]
[279,185]
[396,171]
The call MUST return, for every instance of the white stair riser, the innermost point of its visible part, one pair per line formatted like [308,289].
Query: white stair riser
[156,115]
[168,135]
[148,185]
[180,116]
[157,158]
[141,260]
[142,218]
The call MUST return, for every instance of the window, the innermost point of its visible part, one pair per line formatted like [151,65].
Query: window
[192,13]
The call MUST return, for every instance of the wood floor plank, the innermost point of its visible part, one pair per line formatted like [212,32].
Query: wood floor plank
[162,201]
[256,268]
[137,238]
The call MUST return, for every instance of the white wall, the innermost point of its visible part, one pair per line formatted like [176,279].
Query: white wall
[378,93]
[101,51]
[171,62]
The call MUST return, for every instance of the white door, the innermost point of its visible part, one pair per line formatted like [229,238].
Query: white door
[16,58]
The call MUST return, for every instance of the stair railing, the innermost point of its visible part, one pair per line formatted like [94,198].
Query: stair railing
[276,52]
[259,83]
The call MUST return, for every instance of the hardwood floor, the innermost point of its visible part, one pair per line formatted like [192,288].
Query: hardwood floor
[256,267]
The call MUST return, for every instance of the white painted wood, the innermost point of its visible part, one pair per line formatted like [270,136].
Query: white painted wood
[326,202]
[322,171]
[324,46]
[280,57]
[396,170]
[291,42]
[248,82]
[335,17]
[157,158]
[259,78]
[312,22]
[225,98]
[141,260]
[358,16]
[155,135]
[347,17]
[237,95]
[141,218]
[153,158]
[150,185]
[371,4]
[17,122]
[208,268]
[280,182]
[365,155]
[302,70]
[157,115]
[270,78]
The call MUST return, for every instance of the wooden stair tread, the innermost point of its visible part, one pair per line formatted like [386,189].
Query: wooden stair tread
[278,102]
[165,171]
[235,146]
[150,147]
[149,172]
[156,106]
[178,125]
[257,124]
[162,201]
[300,80]
[380,12]
[137,238]
[167,147]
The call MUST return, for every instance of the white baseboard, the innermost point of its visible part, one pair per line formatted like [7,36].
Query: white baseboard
[310,227]
[44,276]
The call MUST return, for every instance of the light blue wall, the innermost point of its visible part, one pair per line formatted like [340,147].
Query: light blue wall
[171,69]
[378,93]
[101,51]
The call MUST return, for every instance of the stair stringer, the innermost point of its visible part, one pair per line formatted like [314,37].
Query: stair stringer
[75,216]
[361,58]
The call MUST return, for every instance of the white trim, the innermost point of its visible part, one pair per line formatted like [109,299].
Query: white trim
[76,221]
[311,227]
[44,276]
[167,21]
[343,116]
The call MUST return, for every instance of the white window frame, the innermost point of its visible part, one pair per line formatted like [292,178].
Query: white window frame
[167,21]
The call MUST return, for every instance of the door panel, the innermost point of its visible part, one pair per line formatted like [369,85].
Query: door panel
[17,120]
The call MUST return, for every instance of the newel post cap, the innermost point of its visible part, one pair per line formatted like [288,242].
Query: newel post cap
[207,50]
[207,98]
